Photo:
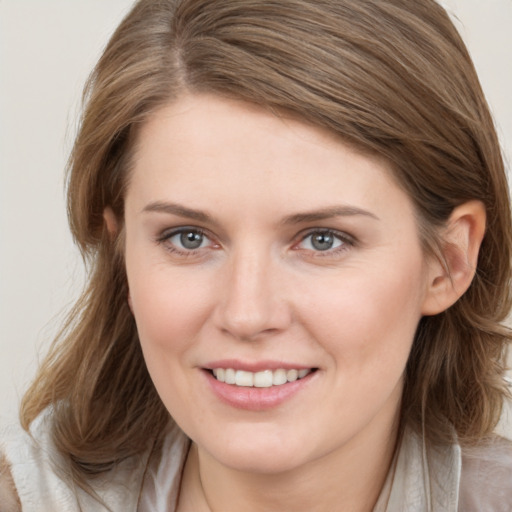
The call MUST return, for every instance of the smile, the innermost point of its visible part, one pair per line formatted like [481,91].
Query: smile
[262,379]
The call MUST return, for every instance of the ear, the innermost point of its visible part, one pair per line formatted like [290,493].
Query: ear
[450,276]
[112,225]
[110,219]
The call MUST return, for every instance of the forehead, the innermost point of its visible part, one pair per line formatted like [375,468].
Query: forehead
[204,147]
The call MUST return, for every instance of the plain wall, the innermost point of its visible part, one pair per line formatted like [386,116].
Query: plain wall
[47,49]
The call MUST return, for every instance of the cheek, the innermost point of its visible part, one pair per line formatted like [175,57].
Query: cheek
[367,322]
[169,307]
[170,313]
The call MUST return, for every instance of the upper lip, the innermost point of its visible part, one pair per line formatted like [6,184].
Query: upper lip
[255,366]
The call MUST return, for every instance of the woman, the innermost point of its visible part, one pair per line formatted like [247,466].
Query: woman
[297,221]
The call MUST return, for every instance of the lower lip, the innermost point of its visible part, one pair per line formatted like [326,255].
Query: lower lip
[256,399]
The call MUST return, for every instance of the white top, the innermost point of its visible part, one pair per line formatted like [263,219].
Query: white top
[421,479]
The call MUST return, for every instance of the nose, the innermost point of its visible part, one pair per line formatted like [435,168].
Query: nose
[252,301]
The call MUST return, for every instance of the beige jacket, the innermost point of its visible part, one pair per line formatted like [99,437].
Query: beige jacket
[421,479]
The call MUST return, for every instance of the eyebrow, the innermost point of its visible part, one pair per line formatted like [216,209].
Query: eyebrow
[328,213]
[179,210]
[296,218]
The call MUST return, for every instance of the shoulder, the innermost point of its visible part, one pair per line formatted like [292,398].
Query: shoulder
[42,476]
[9,499]
[31,463]
[486,477]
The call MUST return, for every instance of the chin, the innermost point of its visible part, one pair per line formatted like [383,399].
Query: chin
[262,454]
[263,461]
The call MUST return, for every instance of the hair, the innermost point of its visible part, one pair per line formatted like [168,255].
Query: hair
[391,77]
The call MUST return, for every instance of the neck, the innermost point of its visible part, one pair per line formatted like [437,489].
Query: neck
[349,479]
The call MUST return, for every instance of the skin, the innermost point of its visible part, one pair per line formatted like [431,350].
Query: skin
[257,289]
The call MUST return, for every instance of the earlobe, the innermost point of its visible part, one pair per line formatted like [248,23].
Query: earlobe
[110,219]
[450,277]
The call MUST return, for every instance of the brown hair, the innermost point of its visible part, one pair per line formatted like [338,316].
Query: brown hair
[389,76]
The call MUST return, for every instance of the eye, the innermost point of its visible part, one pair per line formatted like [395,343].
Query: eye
[189,239]
[185,239]
[323,241]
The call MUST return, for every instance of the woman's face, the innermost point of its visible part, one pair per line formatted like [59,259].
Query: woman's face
[266,252]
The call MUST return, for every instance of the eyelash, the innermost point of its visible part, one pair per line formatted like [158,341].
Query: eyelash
[166,236]
[346,241]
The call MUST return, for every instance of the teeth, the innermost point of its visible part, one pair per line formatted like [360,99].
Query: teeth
[245,379]
[229,376]
[279,377]
[292,375]
[263,379]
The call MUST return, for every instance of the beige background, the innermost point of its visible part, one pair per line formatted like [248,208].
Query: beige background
[47,49]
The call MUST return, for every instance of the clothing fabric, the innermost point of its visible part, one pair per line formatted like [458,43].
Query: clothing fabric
[421,479]
[40,475]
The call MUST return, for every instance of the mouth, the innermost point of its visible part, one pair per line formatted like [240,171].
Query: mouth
[260,379]
[258,386]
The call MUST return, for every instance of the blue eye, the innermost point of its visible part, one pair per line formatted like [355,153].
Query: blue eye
[187,239]
[322,241]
